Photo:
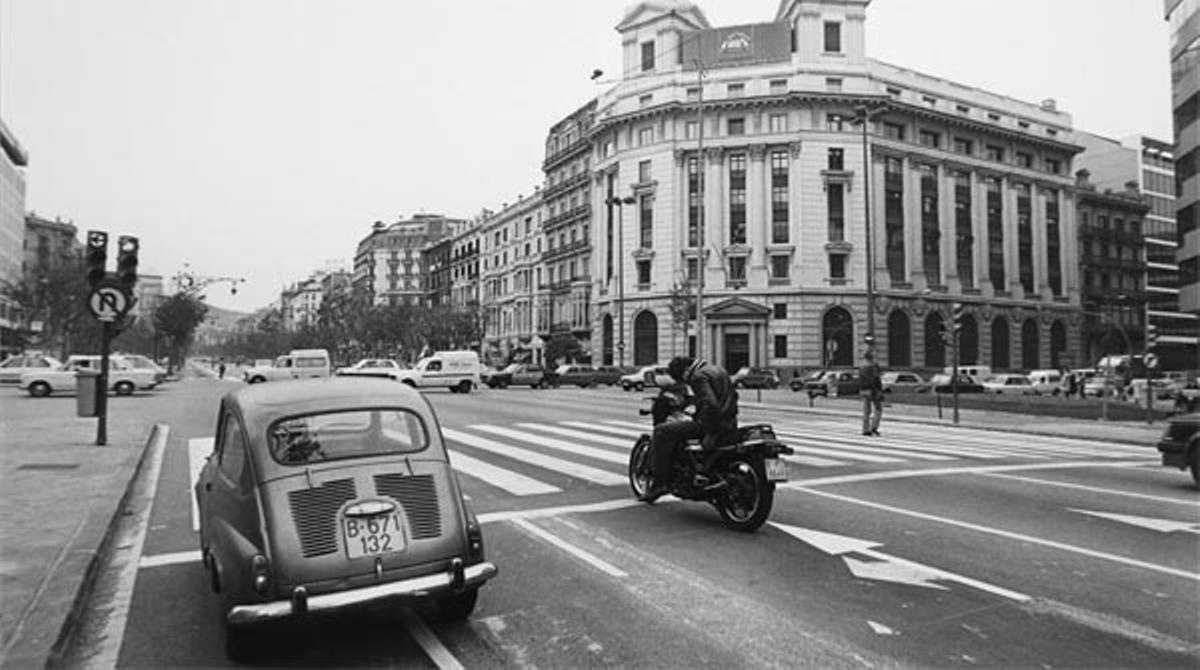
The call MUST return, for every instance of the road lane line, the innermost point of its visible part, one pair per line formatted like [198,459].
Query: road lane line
[433,647]
[558,510]
[514,482]
[569,468]
[585,556]
[1095,489]
[175,558]
[198,450]
[1020,537]
[964,470]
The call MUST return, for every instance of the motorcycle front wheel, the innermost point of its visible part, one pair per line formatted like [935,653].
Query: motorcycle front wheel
[747,502]
[639,466]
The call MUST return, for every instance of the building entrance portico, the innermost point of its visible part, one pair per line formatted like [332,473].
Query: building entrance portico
[737,333]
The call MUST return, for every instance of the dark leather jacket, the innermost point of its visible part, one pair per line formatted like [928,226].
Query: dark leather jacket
[715,398]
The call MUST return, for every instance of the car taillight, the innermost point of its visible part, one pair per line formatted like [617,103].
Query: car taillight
[260,572]
[474,541]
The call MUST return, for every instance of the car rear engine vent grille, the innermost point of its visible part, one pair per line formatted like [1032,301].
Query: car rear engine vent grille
[418,496]
[314,511]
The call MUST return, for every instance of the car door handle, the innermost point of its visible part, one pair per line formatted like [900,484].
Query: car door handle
[208,486]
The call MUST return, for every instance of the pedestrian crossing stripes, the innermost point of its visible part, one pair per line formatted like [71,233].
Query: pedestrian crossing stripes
[534,458]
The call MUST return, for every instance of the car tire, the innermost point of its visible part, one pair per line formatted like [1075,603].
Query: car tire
[257,380]
[639,387]
[39,389]
[409,383]
[740,386]
[1196,465]
[458,606]
[464,386]
[123,388]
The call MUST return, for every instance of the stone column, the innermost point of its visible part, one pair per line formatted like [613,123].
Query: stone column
[883,277]
[979,230]
[716,234]
[1012,273]
[948,229]
[795,209]
[1041,284]
[1068,227]
[757,209]
[914,256]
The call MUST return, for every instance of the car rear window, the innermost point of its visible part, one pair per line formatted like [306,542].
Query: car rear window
[312,438]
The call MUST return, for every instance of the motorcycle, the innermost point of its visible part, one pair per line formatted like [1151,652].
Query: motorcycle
[736,475]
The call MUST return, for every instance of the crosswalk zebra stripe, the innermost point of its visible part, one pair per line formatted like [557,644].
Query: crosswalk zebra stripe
[579,434]
[552,443]
[629,432]
[1042,444]
[513,482]
[570,468]
[953,451]
[814,461]
[856,446]
[840,454]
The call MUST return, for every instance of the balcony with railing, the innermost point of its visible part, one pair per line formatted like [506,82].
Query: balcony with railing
[564,217]
[568,249]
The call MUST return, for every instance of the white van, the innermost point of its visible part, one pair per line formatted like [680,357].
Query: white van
[1046,381]
[296,364]
[976,372]
[455,370]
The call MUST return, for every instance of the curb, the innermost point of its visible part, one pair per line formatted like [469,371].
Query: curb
[72,623]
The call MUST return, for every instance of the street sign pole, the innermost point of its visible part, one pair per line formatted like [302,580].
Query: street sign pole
[954,379]
[102,386]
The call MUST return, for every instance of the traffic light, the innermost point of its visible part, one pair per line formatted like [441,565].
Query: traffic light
[96,256]
[1151,336]
[956,315]
[127,261]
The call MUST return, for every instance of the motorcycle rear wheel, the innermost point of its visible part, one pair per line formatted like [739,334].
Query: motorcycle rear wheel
[747,503]
[639,466]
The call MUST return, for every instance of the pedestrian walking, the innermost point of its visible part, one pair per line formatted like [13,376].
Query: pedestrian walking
[870,385]
[1072,385]
[221,369]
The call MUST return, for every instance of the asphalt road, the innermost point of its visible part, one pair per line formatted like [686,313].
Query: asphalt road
[930,546]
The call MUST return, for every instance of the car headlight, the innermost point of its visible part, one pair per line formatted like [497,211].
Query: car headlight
[260,571]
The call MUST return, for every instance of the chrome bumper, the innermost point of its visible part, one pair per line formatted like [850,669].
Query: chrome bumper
[455,579]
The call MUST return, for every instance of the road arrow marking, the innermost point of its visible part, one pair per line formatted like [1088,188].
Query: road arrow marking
[1160,525]
[885,567]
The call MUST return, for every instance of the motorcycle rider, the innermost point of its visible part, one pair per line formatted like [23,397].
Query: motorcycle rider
[716,415]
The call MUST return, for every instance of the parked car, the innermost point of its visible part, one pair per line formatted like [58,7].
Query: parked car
[903,381]
[942,384]
[1046,382]
[646,376]
[14,366]
[798,382]
[122,378]
[755,378]
[582,376]
[141,362]
[610,374]
[296,364]
[324,496]
[834,383]
[372,367]
[1012,384]
[533,376]
[1180,444]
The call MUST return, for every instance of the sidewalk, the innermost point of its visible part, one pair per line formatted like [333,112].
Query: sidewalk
[1125,432]
[59,493]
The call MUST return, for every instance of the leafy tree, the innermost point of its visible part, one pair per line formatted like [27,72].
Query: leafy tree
[56,296]
[682,305]
[176,319]
[563,347]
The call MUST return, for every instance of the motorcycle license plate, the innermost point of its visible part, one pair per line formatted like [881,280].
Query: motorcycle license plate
[373,535]
[777,470]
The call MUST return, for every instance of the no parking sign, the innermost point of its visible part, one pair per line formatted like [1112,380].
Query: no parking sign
[1151,360]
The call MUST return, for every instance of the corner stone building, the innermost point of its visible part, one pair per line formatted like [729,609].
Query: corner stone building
[752,131]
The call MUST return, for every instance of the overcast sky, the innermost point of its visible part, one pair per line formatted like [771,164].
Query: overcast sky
[261,139]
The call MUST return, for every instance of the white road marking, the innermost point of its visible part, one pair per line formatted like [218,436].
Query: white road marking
[628,432]
[606,506]
[552,443]
[1094,489]
[566,467]
[433,647]
[850,448]
[579,435]
[176,558]
[1152,523]
[1020,537]
[585,556]
[513,482]
[939,472]
[198,450]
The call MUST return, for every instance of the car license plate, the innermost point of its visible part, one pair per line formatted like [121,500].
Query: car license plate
[777,470]
[373,535]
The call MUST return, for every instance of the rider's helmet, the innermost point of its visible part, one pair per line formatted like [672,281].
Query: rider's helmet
[678,367]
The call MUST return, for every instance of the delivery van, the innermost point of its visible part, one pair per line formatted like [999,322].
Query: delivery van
[296,364]
[455,370]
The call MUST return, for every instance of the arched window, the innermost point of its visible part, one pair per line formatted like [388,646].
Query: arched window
[1000,356]
[1029,344]
[645,338]
[837,337]
[899,340]
[935,348]
[968,341]
[1058,344]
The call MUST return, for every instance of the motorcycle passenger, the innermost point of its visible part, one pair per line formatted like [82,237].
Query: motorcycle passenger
[716,415]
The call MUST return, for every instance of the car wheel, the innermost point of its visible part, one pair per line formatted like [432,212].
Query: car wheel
[409,383]
[739,385]
[1196,466]
[39,389]
[458,606]
[639,387]
[123,388]
[257,380]
[464,386]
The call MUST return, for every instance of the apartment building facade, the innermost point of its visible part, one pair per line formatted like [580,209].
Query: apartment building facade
[749,176]
[13,160]
[1184,19]
[510,281]
[388,262]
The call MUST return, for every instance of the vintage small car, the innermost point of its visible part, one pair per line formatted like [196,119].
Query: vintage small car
[329,494]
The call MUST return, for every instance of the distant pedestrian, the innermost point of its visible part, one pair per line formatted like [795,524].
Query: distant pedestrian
[221,369]
[870,385]
[1072,384]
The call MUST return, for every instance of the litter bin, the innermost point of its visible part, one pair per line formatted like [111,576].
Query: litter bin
[86,382]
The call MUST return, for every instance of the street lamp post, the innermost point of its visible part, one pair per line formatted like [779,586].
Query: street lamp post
[618,202]
[700,209]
